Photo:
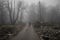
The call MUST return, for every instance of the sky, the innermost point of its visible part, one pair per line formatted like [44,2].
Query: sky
[31,1]
[46,3]
[49,4]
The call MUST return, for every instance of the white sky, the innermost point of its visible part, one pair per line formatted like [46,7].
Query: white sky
[45,2]
[49,2]
[31,1]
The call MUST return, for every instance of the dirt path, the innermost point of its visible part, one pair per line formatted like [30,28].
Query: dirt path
[26,34]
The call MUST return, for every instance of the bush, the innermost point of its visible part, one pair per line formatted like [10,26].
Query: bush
[7,31]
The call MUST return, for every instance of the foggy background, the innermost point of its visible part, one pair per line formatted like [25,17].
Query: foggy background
[17,11]
[30,19]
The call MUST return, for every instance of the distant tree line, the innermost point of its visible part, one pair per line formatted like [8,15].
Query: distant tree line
[12,13]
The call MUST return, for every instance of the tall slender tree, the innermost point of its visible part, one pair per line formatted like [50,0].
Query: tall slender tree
[12,11]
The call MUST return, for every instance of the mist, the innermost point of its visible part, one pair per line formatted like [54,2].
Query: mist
[30,12]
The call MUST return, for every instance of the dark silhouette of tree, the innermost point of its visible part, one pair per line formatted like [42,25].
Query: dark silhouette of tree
[55,16]
[12,11]
[2,11]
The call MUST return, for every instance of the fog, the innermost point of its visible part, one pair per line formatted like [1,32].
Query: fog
[30,11]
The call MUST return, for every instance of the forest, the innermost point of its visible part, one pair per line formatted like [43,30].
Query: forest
[43,18]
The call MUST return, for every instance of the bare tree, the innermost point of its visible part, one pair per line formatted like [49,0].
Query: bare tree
[2,12]
[9,10]
[12,11]
[21,7]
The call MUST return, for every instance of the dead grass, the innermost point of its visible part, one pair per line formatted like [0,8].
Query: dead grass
[9,31]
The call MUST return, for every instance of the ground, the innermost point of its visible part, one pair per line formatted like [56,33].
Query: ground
[29,32]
